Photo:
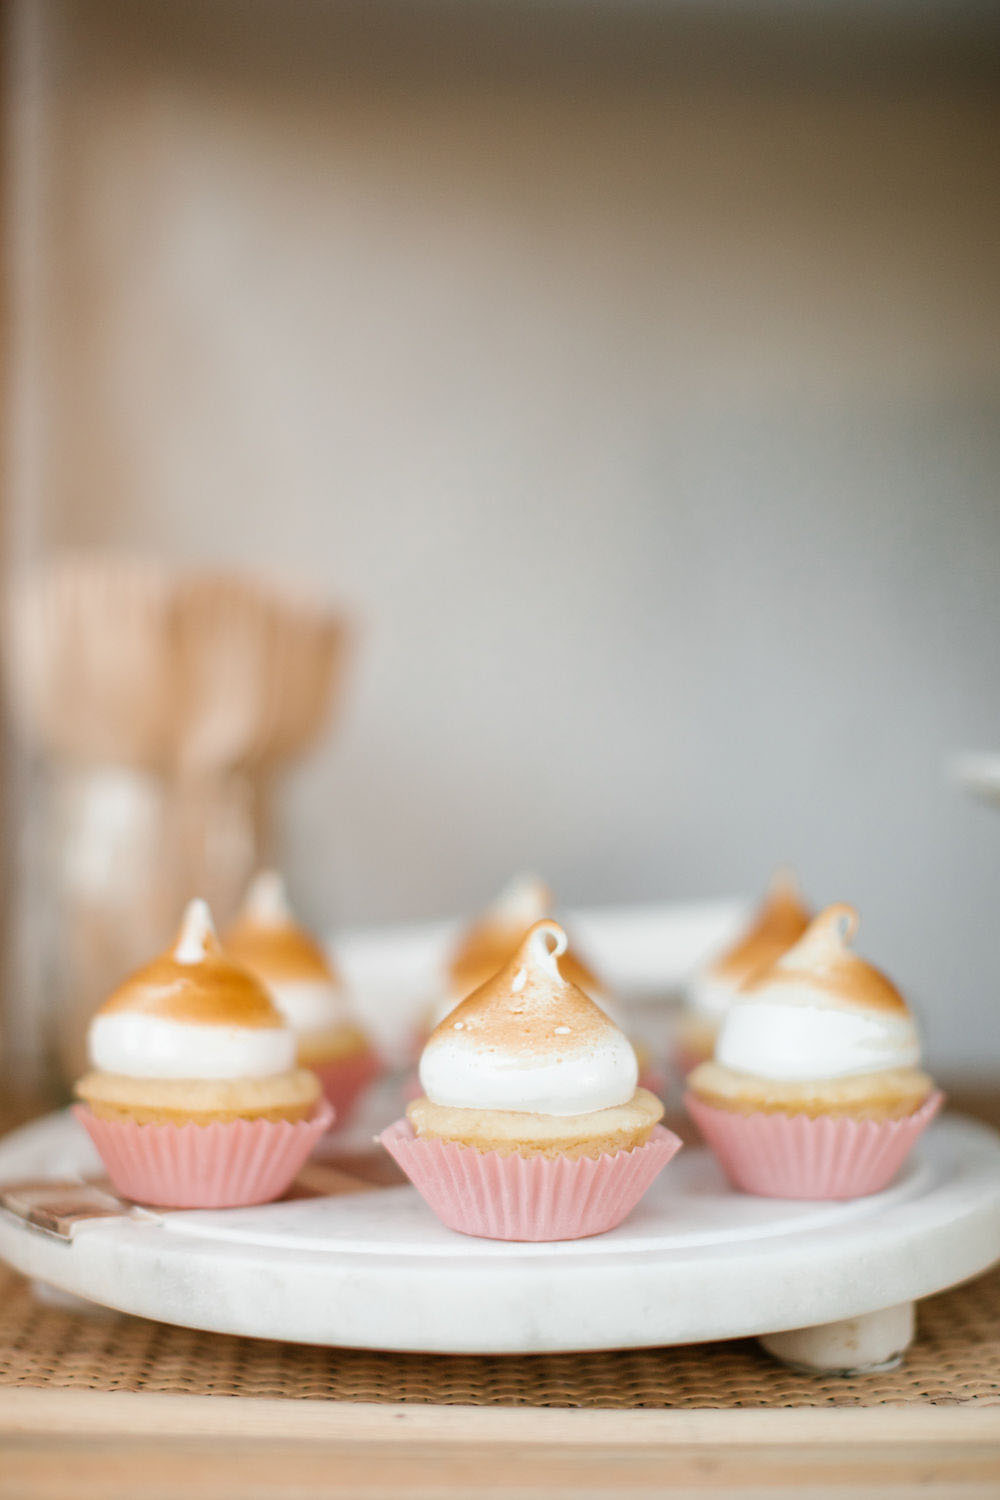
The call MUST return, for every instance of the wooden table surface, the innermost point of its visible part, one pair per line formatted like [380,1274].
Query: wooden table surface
[122,1445]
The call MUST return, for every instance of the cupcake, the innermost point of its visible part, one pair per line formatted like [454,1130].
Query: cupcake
[779,921]
[531,1125]
[815,1089]
[194,1099]
[302,982]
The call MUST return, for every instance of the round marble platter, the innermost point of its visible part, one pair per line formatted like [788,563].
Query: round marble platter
[695,1261]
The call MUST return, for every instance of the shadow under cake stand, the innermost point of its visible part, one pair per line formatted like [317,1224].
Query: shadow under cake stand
[824,1286]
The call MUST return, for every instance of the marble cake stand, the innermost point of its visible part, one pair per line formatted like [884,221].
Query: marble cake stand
[826,1286]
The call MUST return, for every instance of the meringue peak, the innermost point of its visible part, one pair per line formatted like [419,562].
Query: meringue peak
[523,900]
[266,902]
[196,937]
[829,934]
[267,938]
[195,980]
[490,942]
[783,889]
[520,1008]
[824,960]
[778,922]
[537,951]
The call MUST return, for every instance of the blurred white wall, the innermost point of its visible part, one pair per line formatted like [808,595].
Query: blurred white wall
[646,413]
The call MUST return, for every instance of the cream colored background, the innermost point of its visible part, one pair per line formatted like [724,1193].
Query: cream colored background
[637,384]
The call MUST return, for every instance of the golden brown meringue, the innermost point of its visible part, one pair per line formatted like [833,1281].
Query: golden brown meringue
[266,939]
[822,959]
[779,921]
[196,982]
[491,941]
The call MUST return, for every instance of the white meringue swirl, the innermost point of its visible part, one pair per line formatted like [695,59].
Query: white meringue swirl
[143,1046]
[802,1037]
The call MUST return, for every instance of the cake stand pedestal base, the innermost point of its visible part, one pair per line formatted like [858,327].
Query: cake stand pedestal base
[851,1346]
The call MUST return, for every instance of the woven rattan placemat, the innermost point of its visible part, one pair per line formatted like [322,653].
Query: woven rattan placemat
[955,1360]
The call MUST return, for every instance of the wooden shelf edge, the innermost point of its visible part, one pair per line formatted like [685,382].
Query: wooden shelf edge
[137,1414]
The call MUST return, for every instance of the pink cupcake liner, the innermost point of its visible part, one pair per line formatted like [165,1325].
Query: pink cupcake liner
[796,1156]
[222,1165]
[499,1197]
[345,1079]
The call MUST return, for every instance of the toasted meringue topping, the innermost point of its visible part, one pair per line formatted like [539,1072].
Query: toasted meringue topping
[194,980]
[493,940]
[779,921]
[268,941]
[530,1040]
[191,1013]
[820,1012]
[266,938]
[822,959]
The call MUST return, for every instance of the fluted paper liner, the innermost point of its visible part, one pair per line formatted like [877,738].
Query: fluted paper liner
[498,1197]
[777,1155]
[227,1164]
[345,1079]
